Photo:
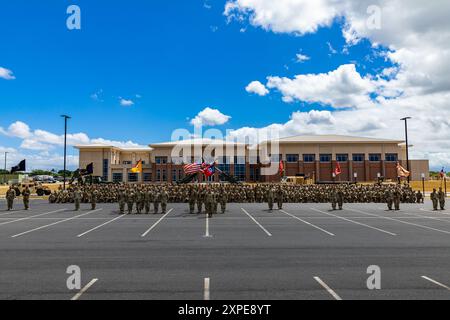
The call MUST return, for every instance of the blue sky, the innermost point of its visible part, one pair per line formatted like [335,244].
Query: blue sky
[171,58]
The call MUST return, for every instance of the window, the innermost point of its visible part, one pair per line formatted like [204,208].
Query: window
[126,162]
[391,157]
[374,157]
[132,177]
[342,157]
[325,158]
[105,170]
[253,160]
[164,176]
[255,174]
[174,175]
[309,158]
[224,168]
[180,174]
[161,160]
[147,177]
[117,177]
[239,160]
[143,162]
[275,158]
[177,160]
[240,171]
[292,158]
[358,157]
[158,175]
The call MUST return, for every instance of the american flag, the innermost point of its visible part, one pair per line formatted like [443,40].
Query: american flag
[193,168]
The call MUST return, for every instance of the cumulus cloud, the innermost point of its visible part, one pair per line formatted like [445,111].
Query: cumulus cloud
[6,74]
[343,87]
[258,88]
[210,117]
[126,102]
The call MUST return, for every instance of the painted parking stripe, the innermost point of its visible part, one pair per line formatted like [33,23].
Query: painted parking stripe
[155,224]
[431,211]
[207,234]
[355,222]
[206,290]
[329,290]
[102,225]
[31,217]
[254,220]
[426,217]
[436,283]
[53,224]
[404,222]
[7,213]
[86,287]
[308,223]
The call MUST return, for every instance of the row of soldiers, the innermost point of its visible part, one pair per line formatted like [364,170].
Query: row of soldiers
[11,195]
[242,193]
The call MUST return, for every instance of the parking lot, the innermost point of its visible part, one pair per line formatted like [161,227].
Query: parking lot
[305,251]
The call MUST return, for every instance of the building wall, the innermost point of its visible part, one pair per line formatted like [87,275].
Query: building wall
[120,163]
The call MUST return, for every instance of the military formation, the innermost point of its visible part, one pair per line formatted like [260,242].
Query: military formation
[213,198]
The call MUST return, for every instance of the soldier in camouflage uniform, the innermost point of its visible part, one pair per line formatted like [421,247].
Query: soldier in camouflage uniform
[10,196]
[77,199]
[441,198]
[434,200]
[164,199]
[270,198]
[122,200]
[223,199]
[130,201]
[147,200]
[192,200]
[156,201]
[26,198]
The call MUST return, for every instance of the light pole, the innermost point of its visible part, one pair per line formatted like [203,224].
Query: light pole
[407,144]
[4,173]
[423,184]
[65,149]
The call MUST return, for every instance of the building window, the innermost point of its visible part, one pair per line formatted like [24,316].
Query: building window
[161,160]
[180,174]
[239,172]
[178,160]
[224,168]
[253,160]
[143,162]
[105,170]
[274,158]
[158,175]
[132,177]
[174,175]
[164,176]
[292,158]
[147,177]
[239,160]
[374,157]
[255,174]
[391,157]
[126,162]
[117,177]
[358,157]
[342,157]
[309,158]
[325,158]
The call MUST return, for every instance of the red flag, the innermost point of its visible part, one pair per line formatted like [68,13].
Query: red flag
[337,170]
[281,168]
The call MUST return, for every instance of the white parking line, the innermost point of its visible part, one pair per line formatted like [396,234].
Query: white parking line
[79,294]
[155,224]
[254,220]
[310,224]
[7,213]
[206,290]
[53,224]
[207,235]
[355,222]
[102,225]
[330,291]
[437,283]
[426,210]
[405,222]
[31,217]
[426,217]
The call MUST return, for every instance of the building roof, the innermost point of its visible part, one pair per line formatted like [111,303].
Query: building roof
[332,139]
[104,146]
[196,142]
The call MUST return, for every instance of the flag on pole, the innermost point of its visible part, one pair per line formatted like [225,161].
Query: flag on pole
[337,170]
[442,173]
[137,168]
[281,168]
[20,167]
[210,170]
[402,172]
[192,168]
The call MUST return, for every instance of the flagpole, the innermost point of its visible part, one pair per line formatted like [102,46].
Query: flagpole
[4,173]
[65,149]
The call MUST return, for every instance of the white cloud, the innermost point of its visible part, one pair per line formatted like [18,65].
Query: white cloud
[340,88]
[258,88]
[300,58]
[6,74]
[126,102]
[210,117]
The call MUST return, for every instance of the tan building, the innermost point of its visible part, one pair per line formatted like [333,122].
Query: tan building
[360,159]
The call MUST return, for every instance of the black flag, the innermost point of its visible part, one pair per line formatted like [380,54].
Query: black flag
[20,167]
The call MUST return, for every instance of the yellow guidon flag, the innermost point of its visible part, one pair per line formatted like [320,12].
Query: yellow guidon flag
[137,168]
